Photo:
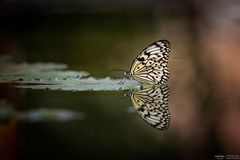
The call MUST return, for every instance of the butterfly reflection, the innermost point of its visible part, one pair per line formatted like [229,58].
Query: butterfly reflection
[152,105]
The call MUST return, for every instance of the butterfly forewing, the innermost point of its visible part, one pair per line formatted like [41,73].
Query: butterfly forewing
[152,105]
[151,65]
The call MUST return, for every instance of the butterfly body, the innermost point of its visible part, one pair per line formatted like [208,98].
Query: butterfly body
[151,65]
[128,75]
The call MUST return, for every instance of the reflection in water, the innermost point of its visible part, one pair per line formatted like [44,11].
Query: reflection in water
[8,114]
[152,105]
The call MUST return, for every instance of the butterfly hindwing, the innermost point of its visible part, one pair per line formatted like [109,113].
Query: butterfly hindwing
[152,105]
[151,65]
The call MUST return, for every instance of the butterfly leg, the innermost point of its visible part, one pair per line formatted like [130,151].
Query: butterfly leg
[122,81]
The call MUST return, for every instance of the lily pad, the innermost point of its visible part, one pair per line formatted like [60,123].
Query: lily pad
[55,76]
[85,84]
[10,72]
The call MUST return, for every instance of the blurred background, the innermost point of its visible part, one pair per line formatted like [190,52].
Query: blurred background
[98,36]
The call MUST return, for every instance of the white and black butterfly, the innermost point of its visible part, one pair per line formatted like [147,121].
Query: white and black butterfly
[151,65]
[152,105]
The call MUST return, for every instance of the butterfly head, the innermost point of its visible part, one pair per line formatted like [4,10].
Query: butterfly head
[127,94]
[128,74]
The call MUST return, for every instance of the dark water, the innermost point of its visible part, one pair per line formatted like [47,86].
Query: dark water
[204,83]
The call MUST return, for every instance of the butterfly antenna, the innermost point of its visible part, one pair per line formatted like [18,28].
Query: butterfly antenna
[118,99]
[118,70]
[126,95]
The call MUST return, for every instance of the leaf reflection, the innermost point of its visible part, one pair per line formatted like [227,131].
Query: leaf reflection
[8,114]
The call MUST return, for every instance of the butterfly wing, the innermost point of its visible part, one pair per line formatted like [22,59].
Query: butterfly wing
[151,65]
[152,105]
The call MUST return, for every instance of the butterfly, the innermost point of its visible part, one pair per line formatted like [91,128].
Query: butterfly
[151,65]
[152,105]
